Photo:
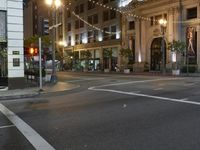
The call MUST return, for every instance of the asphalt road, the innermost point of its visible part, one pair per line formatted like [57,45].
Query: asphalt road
[107,112]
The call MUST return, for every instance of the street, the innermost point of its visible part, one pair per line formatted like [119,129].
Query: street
[106,112]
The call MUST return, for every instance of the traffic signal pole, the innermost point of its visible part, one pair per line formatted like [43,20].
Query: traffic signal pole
[40,62]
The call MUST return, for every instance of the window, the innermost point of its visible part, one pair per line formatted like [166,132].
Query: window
[96,33]
[113,30]
[105,34]
[131,25]
[76,24]
[151,21]
[77,39]
[192,13]
[105,15]
[105,1]
[69,40]
[91,5]
[90,36]
[157,18]
[81,8]
[95,18]
[68,14]
[77,9]
[90,19]
[81,38]
[69,27]
[112,14]
[81,24]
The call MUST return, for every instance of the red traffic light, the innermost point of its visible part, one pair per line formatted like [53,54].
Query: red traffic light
[33,51]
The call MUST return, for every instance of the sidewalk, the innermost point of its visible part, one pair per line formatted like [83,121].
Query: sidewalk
[34,91]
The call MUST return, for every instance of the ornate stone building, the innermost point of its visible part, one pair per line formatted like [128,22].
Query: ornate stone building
[141,31]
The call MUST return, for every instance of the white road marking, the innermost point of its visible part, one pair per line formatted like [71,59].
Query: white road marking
[84,79]
[189,84]
[158,89]
[8,126]
[133,82]
[149,96]
[31,135]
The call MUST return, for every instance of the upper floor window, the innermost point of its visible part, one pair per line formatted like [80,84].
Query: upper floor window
[91,5]
[81,8]
[105,33]
[113,30]
[192,13]
[131,25]
[105,15]
[112,14]
[69,27]
[105,1]
[93,19]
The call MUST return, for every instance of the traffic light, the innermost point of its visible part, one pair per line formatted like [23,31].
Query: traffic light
[33,51]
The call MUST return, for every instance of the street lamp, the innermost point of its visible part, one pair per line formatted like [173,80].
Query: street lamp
[163,24]
[54,4]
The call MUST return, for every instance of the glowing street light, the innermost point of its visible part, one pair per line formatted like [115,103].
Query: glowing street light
[54,4]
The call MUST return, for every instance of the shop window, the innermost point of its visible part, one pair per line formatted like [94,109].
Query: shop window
[192,13]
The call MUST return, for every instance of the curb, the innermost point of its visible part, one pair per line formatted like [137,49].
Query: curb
[19,96]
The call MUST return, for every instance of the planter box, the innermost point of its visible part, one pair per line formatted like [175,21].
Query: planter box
[176,72]
[107,70]
[126,71]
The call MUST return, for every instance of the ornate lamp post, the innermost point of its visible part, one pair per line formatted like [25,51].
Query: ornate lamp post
[163,24]
[54,4]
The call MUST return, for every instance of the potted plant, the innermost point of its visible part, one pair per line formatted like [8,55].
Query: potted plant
[107,54]
[178,48]
[126,53]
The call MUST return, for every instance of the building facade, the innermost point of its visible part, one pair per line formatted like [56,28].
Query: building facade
[36,18]
[11,43]
[182,25]
[96,29]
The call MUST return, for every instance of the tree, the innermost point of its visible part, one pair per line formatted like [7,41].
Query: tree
[86,55]
[179,48]
[126,53]
[107,54]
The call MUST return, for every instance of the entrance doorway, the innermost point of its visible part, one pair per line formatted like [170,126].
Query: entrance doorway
[156,54]
[3,65]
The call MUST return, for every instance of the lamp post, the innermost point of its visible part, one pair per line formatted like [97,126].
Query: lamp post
[163,24]
[54,4]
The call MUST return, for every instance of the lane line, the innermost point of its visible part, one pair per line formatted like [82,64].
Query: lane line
[133,82]
[85,79]
[158,89]
[31,135]
[8,126]
[184,100]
